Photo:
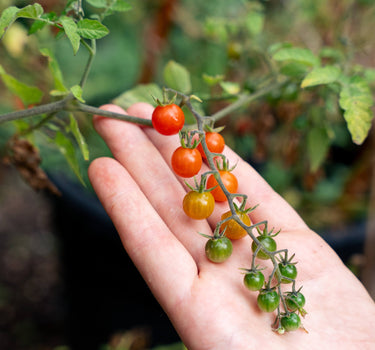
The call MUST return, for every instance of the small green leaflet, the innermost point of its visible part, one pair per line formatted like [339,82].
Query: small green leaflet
[321,75]
[318,143]
[356,101]
[91,29]
[114,5]
[230,87]
[296,54]
[74,128]
[70,28]
[55,70]
[66,147]
[28,94]
[77,92]
[10,14]
[177,77]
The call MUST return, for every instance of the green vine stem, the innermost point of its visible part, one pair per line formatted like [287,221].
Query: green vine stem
[201,120]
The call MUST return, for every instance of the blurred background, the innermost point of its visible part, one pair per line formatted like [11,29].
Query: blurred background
[65,281]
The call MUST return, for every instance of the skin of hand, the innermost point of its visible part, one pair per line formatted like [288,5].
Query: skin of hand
[207,303]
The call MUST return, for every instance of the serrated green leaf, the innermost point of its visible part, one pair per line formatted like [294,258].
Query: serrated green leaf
[74,128]
[70,28]
[177,77]
[140,93]
[318,143]
[31,11]
[8,16]
[355,91]
[77,92]
[254,22]
[356,100]
[98,3]
[321,75]
[230,87]
[54,68]
[66,147]
[297,54]
[212,80]
[359,122]
[121,6]
[28,94]
[91,29]
[294,70]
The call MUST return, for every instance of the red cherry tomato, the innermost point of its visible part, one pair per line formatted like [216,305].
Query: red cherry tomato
[215,143]
[186,162]
[230,182]
[168,119]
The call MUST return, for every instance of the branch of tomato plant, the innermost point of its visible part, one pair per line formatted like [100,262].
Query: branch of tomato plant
[200,120]
[245,98]
[92,52]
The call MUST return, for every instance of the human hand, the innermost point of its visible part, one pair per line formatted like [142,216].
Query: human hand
[207,303]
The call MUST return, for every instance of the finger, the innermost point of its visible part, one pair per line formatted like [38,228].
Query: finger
[134,150]
[163,261]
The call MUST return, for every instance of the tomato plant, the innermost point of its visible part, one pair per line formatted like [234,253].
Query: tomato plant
[168,119]
[218,249]
[215,143]
[268,300]
[230,182]
[198,205]
[186,162]
[254,280]
[232,229]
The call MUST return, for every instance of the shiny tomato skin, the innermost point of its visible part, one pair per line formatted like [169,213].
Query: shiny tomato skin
[198,205]
[268,242]
[295,301]
[215,143]
[232,229]
[268,300]
[168,119]
[290,322]
[229,181]
[218,249]
[287,270]
[254,280]
[186,162]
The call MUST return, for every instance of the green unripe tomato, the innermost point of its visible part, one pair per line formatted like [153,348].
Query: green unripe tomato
[254,280]
[218,249]
[290,322]
[268,242]
[268,300]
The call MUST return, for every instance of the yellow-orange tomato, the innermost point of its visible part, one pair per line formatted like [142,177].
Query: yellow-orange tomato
[232,229]
[198,205]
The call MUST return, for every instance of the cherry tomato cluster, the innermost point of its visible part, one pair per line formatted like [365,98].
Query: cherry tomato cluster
[219,184]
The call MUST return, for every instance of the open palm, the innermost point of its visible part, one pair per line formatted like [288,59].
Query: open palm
[207,303]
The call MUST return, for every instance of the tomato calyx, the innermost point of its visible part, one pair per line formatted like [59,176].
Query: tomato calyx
[218,247]
[189,139]
[287,271]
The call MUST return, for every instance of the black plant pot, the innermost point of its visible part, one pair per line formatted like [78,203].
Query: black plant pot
[105,293]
